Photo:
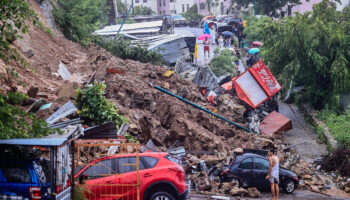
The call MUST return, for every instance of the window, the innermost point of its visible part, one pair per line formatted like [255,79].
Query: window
[149,162]
[262,164]
[101,169]
[172,1]
[290,10]
[188,6]
[160,4]
[163,2]
[144,1]
[16,173]
[202,6]
[137,1]
[183,8]
[246,163]
[222,8]
[128,164]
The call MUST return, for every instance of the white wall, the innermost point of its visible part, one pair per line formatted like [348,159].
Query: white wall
[177,5]
[150,3]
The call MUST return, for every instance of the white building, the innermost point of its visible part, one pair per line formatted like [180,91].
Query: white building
[180,6]
[147,3]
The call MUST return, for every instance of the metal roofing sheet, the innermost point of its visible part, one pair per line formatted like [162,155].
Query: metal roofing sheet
[34,142]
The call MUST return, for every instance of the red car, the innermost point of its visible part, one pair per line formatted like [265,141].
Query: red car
[115,177]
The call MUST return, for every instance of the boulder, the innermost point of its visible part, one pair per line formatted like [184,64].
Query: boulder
[307,177]
[194,159]
[238,150]
[238,191]
[315,188]
[222,156]
[228,186]
[347,189]
[66,91]
[253,192]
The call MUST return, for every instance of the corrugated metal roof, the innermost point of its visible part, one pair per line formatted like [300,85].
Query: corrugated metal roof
[35,142]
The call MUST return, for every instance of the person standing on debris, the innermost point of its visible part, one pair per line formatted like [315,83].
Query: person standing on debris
[195,56]
[213,35]
[273,174]
[206,47]
[221,41]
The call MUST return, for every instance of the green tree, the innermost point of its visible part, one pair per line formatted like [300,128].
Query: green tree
[142,10]
[266,7]
[192,14]
[79,18]
[312,49]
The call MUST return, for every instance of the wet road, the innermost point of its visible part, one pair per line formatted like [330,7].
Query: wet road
[301,132]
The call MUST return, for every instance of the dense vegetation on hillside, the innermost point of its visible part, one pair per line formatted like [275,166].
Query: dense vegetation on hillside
[78,19]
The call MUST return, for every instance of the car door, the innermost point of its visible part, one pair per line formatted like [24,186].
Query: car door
[127,185]
[260,171]
[245,171]
[100,179]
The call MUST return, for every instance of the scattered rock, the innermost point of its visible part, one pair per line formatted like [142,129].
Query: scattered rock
[28,53]
[33,91]
[253,192]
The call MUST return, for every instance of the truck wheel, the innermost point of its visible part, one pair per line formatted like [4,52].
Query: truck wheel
[162,196]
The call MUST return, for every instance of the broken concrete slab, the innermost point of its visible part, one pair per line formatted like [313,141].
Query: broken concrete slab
[63,71]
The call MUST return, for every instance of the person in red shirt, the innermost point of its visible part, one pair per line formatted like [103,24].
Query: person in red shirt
[206,46]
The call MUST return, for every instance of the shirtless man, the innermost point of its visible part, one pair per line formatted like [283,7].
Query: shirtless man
[273,174]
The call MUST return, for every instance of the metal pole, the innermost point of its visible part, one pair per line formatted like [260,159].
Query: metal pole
[201,108]
[127,14]
[254,7]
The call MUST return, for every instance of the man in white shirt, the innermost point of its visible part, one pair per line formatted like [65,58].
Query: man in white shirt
[273,174]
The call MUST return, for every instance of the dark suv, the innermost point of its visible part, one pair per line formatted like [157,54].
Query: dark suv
[24,179]
[250,170]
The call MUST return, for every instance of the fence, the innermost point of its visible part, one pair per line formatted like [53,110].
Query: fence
[107,169]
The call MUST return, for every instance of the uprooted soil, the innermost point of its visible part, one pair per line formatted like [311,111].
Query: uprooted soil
[152,114]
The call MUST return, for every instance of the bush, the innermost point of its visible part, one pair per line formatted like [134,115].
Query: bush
[223,63]
[339,126]
[95,109]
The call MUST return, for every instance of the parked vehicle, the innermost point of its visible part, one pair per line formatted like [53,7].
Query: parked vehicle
[217,21]
[228,24]
[159,177]
[210,18]
[179,20]
[24,179]
[250,170]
